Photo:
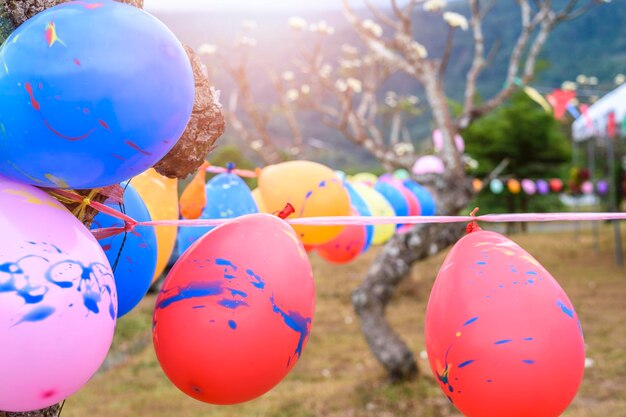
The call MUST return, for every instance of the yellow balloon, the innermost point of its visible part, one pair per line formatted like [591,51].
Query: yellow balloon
[314,190]
[514,186]
[161,197]
[379,206]
[258,198]
[366,177]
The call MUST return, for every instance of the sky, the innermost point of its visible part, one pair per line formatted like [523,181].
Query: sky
[247,5]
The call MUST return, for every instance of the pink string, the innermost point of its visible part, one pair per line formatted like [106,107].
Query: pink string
[245,173]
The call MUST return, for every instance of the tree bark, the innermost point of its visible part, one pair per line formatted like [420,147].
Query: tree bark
[393,264]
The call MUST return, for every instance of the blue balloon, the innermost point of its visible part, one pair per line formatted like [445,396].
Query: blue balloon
[227,197]
[361,206]
[426,199]
[92,95]
[133,255]
[394,197]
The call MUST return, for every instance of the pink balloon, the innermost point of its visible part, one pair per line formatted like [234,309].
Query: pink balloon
[437,140]
[529,186]
[587,187]
[428,164]
[460,143]
[503,339]
[346,247]
[414,205]
[57,300]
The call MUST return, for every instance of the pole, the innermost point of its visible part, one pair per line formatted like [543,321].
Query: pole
[591,164]
[617,235]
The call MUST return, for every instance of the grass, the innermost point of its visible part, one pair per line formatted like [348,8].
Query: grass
[337,375]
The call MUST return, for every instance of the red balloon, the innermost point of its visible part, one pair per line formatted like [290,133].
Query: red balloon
[415,209]
[556,185]
[346,247]
[235,311]
[502,337]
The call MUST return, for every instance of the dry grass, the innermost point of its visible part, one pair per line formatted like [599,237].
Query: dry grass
[337,376]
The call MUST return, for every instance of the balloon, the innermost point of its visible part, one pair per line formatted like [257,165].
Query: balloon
[529,186]
[58,301]
[428,164]
[502,337]
[346,247]
[401,174]
[133,255]
[104,87]
[365,177]
[602,187]
[587,187]
[425,198]
[340,174]
[394,197]
[385,177]
[542,187]
[556,185]
[514,186]
[412,203]
[235,312]
[378,206]
[496,186]
[193,200]
[438,141]
[312,189]
[477,184]
[227,196]
[362,208]
[160,194]
[258,199]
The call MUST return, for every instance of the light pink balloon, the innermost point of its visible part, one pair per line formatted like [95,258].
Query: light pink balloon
[57,300]
[438,141]
[428,164]
[587,187]
[529,186]
[460,143]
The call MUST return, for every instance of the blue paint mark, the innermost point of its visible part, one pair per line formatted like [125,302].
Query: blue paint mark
[198,307]
[481,263]
[514,282]
[470,321]
[232,324]
[235,293]
[503,341]
[565,309]
[308,194]
[528,361]
[233,304]
[295,322]
[229,276]
[322,184]
[527,338]
[531,273]
[464,364]
[490,380]
[580,328]
[37,314]
[257,281]
[193,290]
[226,263]
[531,281]
[501,286]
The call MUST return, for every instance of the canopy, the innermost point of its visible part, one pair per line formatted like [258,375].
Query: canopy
[596,121]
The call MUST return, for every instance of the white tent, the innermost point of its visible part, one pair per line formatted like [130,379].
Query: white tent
[594,123]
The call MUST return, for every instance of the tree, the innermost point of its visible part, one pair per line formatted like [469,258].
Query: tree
[345,96]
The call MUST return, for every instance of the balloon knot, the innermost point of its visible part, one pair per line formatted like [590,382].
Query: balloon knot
[129,226]
[230,166]
[286,212]
[473,226]
[257,171]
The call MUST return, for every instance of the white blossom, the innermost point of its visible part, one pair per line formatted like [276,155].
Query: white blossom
[619,79]
[456,20]
[413,100]
[288,76]
[249,24]
[297,23]
[581,79]
[322,27]
[326,70]
[434,5]
[569,85]
[247,41]
[256,145]
[305,90]
[207,49]
[592,80]
[341,85]
[292,94]
[373,27]
[349,49]
[355,85]
[403,148]
[418,49]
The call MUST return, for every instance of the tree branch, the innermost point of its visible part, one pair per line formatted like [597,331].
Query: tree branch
[447,52]
[382,17]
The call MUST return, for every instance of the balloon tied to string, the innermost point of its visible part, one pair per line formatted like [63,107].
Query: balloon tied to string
[473,226]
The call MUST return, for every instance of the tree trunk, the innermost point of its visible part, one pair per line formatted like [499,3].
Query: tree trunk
[394,263]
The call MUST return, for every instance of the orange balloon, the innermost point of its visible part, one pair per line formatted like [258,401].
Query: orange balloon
[313,190]
[514,186]
[161,197]
[478,184]
[193,198]
[258,198]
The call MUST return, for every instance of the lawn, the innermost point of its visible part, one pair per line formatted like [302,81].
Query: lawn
[337,375]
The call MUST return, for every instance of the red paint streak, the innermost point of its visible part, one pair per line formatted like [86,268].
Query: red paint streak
[137,148]
[103,124]
[29,90]
[49,33]
[129,259]
[143,245]
[116,156]
[76,61]
[41,86]
[70,138]
[88,6]
[106,247]
[57,97]
[48,393]
[85,111]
